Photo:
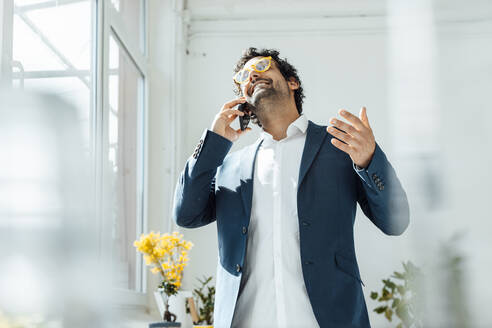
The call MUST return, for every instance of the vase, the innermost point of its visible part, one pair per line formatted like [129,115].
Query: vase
[201,326]
[176,306]
[162,301]
[164,324]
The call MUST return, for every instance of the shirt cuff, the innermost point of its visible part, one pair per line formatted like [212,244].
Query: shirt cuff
[358,168]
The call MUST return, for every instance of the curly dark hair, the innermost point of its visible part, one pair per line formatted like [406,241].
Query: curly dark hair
[283,65]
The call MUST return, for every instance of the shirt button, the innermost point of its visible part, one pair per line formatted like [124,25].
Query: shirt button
[238,268]
[245,230]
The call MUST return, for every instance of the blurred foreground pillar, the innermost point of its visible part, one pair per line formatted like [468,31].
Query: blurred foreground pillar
[50,273]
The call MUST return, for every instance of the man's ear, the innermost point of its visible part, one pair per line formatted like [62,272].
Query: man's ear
[293,83]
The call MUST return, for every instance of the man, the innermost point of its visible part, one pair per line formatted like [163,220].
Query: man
[285,206]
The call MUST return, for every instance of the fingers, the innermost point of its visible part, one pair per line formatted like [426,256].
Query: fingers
[363,117]
[231,111]
[352,119]
[239,131]
[355,138]
[233,103]
[230,114]
[345,127]
[345,137]
[224,118]
[340,145]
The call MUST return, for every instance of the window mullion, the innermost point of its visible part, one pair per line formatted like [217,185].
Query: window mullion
[6,40]
[133,50]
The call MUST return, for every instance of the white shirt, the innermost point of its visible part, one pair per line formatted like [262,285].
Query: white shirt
[272,292]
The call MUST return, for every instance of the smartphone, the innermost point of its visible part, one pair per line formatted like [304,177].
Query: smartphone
[244,120]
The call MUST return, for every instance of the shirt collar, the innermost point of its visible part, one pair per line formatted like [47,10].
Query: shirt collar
[299,126]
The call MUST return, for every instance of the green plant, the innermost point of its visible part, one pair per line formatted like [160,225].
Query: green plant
[405,299]
[204,300]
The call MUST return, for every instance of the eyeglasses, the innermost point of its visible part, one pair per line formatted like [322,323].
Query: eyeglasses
[261,65]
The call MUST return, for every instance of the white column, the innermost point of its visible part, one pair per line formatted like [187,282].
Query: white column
[414,129]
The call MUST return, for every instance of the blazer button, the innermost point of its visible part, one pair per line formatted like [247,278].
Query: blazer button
[245,230]
[308,262]
[304,223]
[238,268]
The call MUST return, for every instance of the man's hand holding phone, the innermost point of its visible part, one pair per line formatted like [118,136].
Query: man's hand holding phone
[223,120]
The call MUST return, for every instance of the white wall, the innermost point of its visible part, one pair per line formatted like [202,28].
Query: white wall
[427,106]
[342,64]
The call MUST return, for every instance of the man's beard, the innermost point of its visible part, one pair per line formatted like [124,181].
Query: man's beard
[266,97]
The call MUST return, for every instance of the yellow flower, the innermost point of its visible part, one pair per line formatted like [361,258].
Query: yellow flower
[167,253]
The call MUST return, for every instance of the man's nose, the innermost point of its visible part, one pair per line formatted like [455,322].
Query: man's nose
[253,75]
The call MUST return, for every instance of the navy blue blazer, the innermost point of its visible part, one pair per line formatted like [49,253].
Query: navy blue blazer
[217,186]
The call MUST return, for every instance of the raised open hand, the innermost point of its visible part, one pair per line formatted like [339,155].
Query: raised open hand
[358,137]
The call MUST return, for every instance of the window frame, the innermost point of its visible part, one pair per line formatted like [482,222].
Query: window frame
[105,20]
[109,23]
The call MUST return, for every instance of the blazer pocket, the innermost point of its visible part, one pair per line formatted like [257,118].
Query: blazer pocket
[348,266]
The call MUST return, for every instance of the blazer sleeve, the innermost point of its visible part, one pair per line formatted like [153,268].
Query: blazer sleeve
[381,195]
[194,196]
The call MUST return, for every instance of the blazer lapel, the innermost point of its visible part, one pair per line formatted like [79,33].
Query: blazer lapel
[248,158]
[314,138]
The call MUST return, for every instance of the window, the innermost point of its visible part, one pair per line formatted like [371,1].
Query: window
[131,12]
[51,59]
[124,122]
[125,156]
[61,47]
